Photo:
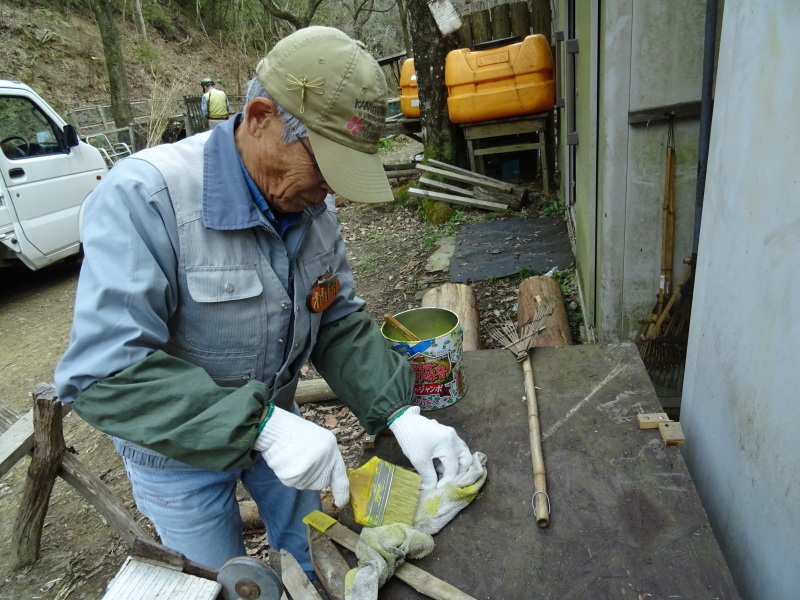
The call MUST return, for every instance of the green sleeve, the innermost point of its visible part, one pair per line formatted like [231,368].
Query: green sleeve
[175,408]
[356,361]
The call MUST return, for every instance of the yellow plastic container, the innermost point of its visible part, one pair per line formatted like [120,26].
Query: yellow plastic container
[409,95]
[517,79]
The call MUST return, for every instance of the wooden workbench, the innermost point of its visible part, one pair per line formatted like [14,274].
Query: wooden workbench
[626,521]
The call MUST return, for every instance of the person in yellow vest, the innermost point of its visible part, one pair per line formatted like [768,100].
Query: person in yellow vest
[214,103]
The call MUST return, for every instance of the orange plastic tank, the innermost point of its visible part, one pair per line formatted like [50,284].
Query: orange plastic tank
[516,79]
[409,95]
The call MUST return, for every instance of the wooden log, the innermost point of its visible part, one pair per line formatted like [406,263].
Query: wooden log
[48,447]
[460,299]
[481,26]
[556,332]
[520,19]
[519,193]
[329,564]
[313,390]
[501,21]
[88,485]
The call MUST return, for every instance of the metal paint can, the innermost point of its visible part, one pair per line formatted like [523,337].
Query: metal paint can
[437,359]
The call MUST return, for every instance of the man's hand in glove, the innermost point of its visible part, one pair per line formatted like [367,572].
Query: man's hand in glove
[424,440]
[303,455]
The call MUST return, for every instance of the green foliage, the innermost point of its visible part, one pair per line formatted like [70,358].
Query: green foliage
[453,223]
[401,193]
[429,242]
[156,14]
[524,273]
[552,209]
[385,144]
[566,281]
[148,53]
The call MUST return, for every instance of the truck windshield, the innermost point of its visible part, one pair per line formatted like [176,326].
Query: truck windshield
[25,130]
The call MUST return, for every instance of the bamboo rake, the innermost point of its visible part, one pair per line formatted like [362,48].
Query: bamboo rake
[519,341]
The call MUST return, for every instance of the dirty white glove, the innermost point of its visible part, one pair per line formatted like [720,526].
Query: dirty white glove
[438,507]
[303,455]
[381,551]
[424,441]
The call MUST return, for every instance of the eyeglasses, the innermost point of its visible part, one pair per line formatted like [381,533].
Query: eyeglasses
[311,156]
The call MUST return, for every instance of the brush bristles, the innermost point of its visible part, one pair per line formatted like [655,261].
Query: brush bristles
[382,493]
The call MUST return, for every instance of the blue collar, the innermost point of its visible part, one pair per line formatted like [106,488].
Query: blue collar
[231,199]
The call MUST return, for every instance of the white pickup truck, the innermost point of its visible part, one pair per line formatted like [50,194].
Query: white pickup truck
[46,173]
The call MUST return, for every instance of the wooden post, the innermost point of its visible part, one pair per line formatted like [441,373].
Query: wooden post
[465,33]
[86,483]
[48,447]
[481,26]
[520,19]
[501,21]
[556,332]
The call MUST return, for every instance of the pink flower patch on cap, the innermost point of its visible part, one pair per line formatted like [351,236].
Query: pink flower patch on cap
[355,125]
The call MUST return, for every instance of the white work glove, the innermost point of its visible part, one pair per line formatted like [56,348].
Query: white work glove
[424,440]
[303,455]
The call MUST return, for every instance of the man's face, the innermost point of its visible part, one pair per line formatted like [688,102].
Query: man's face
[301,184]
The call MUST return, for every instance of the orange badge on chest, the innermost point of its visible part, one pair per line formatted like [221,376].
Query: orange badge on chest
[323,292]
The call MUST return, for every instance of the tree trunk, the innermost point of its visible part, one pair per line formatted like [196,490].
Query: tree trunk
[137,12]
[402,9]
[442,140]
[115,64]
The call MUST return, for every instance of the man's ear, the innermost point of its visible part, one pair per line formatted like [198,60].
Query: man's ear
[258,114]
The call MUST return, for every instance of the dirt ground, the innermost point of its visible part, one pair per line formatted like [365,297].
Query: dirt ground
[388,247]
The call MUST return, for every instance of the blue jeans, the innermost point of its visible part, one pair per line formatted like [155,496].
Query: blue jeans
[196,513]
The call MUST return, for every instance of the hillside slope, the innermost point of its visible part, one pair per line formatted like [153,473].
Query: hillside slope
[59,53]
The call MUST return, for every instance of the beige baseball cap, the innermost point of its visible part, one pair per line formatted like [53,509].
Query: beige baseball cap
[337,89]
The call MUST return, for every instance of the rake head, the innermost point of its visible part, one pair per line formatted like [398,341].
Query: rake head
[518,339]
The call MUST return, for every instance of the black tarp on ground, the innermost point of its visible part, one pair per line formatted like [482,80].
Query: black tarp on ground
[504,247]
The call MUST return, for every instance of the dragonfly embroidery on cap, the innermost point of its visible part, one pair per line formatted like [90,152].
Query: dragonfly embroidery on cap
[303,84]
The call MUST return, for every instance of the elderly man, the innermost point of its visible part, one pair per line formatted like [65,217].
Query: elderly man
[213,272]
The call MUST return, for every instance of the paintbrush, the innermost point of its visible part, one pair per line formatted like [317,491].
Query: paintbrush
[382,493]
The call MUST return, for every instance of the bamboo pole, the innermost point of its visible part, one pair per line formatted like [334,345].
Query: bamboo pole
[541,503]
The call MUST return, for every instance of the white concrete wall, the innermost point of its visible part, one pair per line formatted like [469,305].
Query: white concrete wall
[741,413]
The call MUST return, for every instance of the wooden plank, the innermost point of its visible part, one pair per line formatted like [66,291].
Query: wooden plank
[295,579]
[481,26]
[520,19]
[488,129]
[651,420]
[461,200]
[508,148]
[446,186]
[329,564]
[420,580]
[662,113]
[672,433]
[16,442]
[448,167]
[471,178]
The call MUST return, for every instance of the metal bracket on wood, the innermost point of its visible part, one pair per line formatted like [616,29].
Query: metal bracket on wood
[572,139]
[571,46]
[559,36]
